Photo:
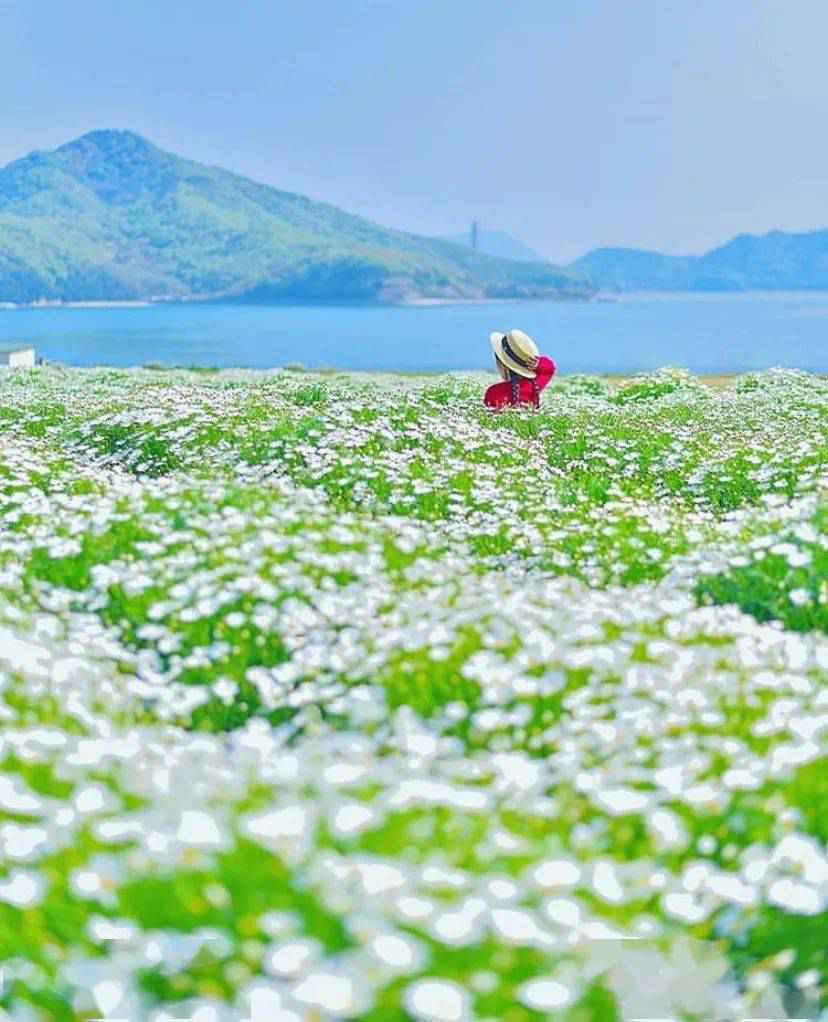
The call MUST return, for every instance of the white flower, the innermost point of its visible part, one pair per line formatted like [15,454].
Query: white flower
[22,889]
[292,958]
[544,994]
[796,897]
[199,829]
[556,873]
[333,993]
[352,819]
[437,1000]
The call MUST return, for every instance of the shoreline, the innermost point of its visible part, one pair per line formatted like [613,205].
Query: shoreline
[599,298]
[34,306]
[411,303]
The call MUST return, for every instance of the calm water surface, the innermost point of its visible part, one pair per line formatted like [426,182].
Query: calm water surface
[722,333]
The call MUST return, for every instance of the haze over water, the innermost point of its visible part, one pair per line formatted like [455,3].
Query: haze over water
[706,334]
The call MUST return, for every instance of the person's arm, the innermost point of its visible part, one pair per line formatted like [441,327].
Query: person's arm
[546,370]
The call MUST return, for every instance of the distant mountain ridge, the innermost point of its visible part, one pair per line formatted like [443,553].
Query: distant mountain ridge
[778,261]
[112,217]
[500,244]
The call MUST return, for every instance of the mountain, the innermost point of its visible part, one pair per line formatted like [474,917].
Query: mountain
[112,217]
[777,261]
[500,244]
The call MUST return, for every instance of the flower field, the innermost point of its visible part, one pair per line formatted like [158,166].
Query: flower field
[338,697]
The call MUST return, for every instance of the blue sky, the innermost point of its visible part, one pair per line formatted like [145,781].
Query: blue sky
[671,124]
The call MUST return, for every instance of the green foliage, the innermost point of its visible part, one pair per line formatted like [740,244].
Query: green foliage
[785,579]
[179,229]
[311,679]
[655,386]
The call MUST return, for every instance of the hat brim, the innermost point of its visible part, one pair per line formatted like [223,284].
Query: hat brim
[496,340]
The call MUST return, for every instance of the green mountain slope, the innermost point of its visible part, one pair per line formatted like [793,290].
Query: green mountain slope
[110,216]
[777,261]
[500,244]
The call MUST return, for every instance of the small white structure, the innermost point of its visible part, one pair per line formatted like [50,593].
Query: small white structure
[16,355]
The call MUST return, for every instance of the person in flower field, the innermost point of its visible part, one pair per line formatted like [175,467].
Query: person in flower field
[524,371]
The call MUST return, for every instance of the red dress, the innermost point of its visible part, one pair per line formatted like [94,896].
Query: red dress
[499,395]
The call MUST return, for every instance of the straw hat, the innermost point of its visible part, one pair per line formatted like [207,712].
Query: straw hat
[517,351]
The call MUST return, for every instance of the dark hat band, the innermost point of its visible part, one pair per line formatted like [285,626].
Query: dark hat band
[510,351]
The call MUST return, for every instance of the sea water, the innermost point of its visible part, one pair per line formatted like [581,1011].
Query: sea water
[704,333]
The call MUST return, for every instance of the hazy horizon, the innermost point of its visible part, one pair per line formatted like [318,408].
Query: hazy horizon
[660,126]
